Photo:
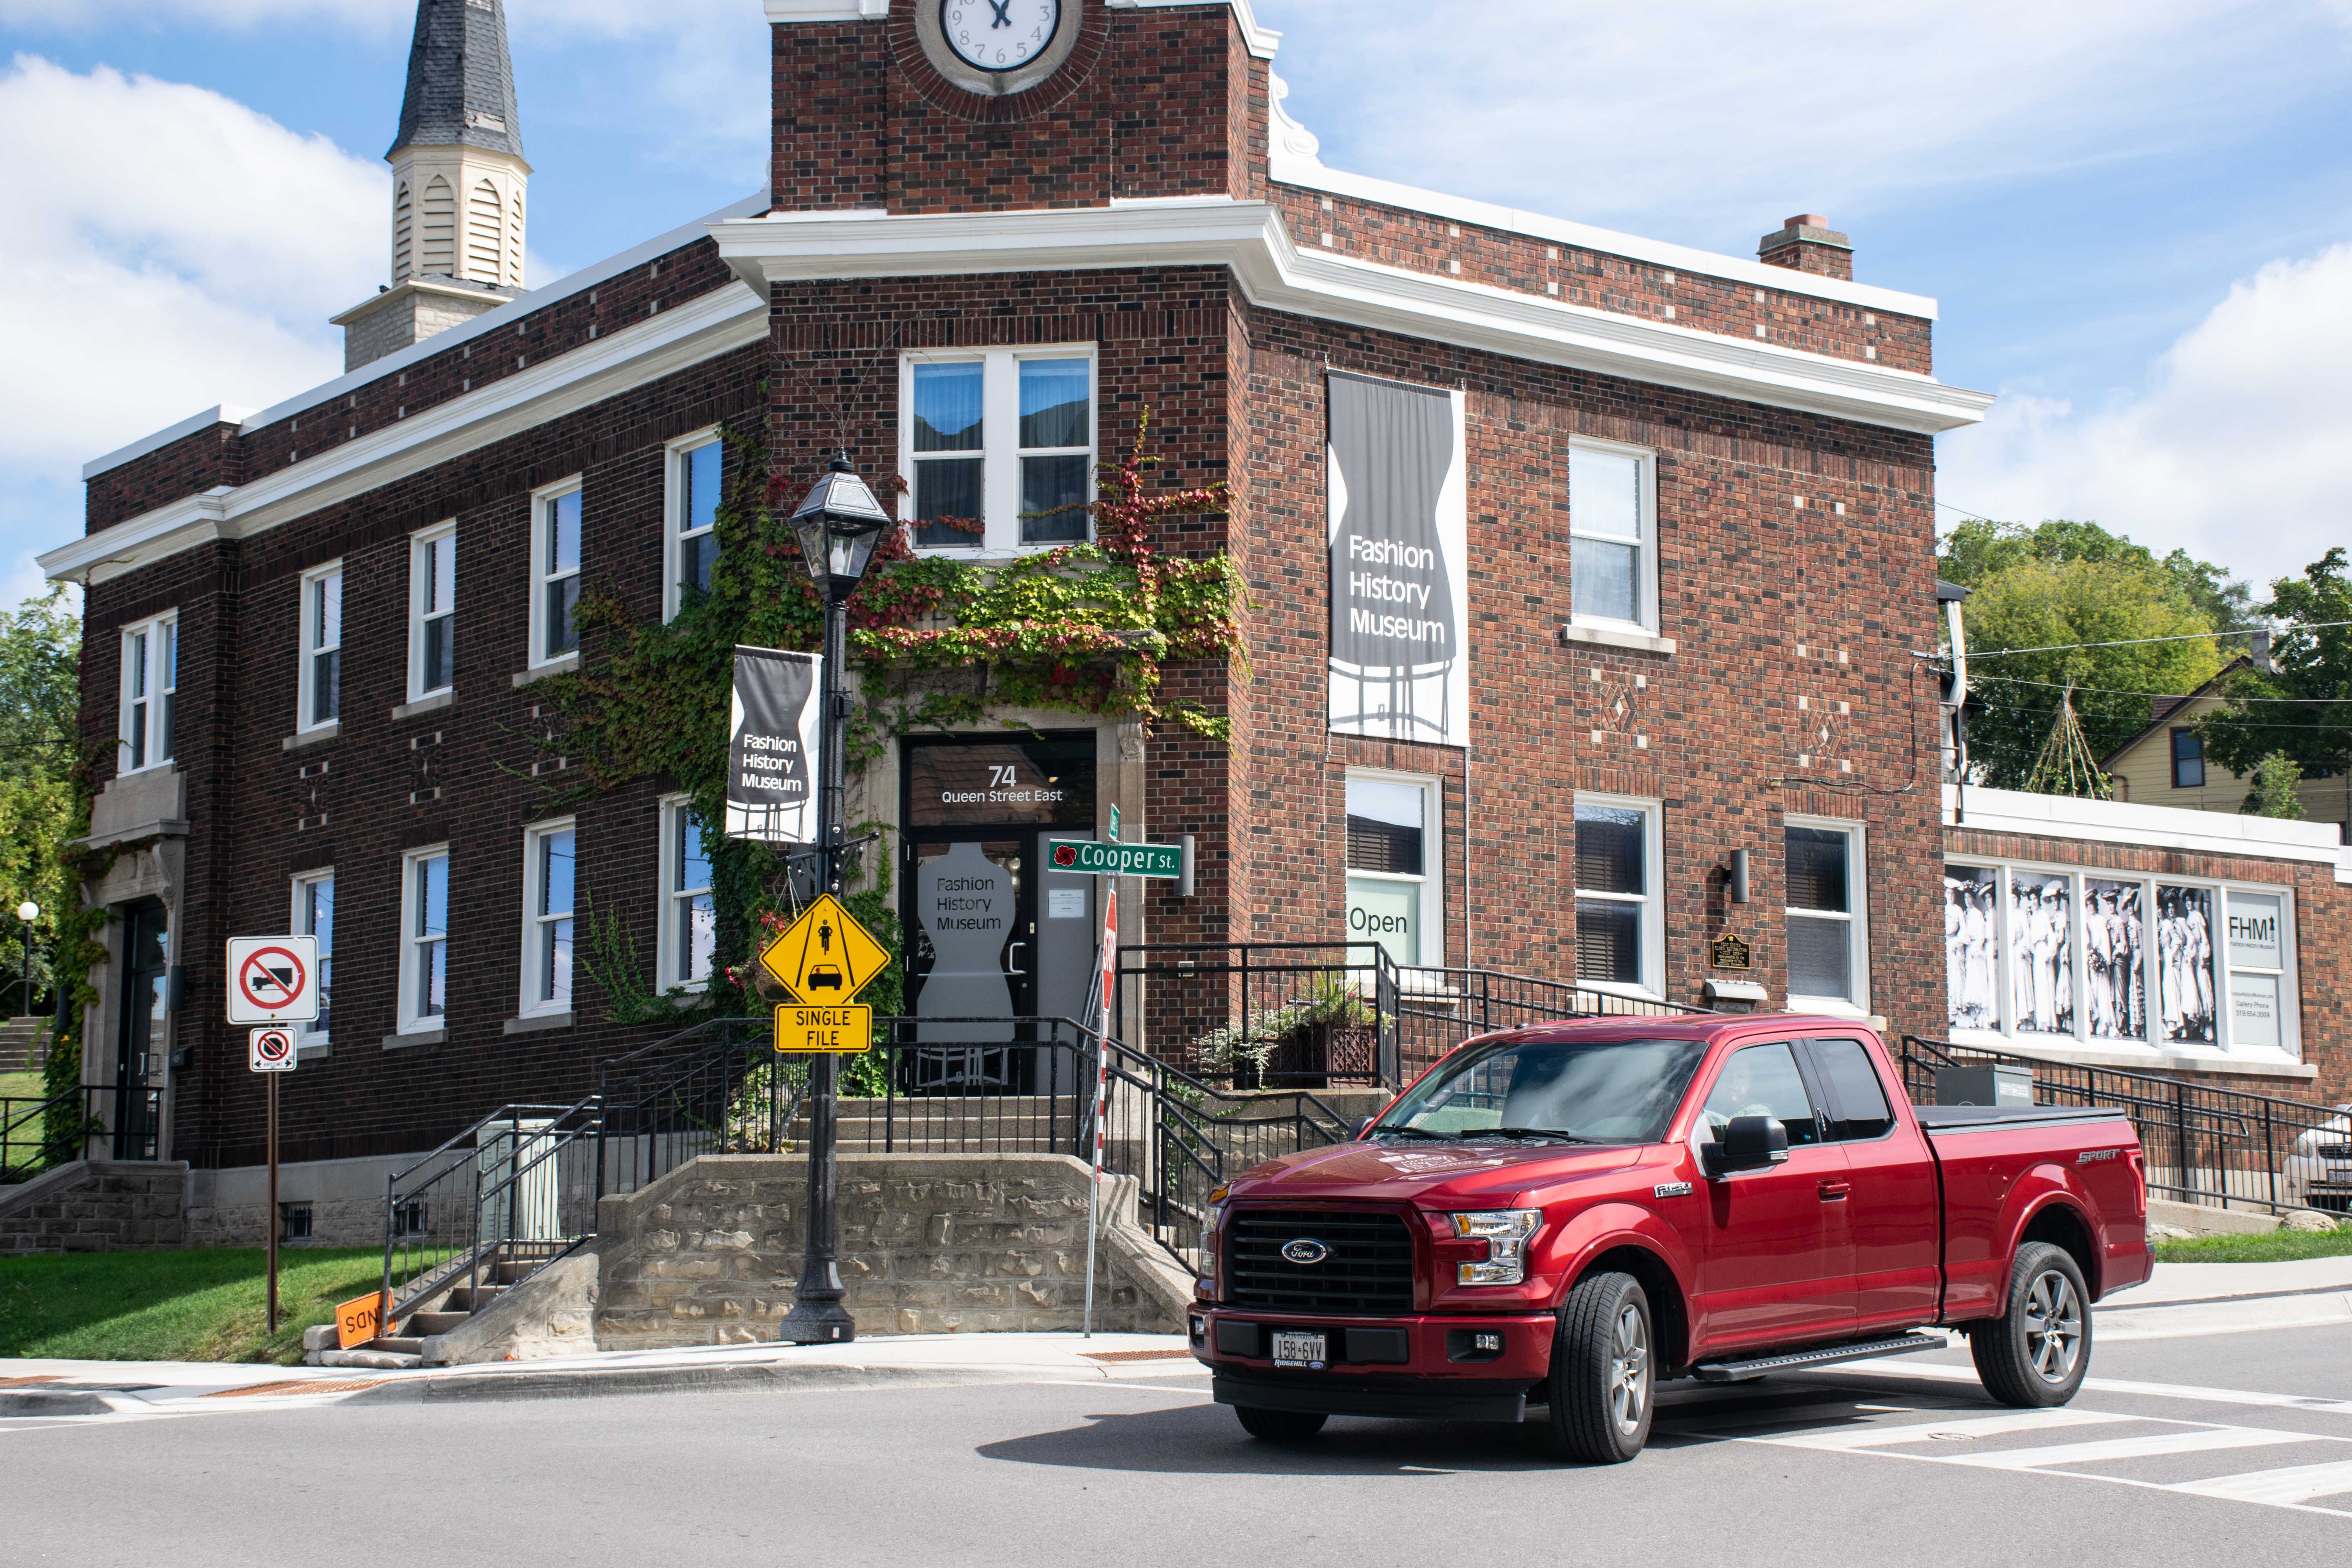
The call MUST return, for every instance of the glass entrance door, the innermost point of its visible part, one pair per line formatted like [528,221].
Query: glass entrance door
[139,1031]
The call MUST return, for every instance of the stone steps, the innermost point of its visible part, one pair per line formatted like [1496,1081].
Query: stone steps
[22,1041]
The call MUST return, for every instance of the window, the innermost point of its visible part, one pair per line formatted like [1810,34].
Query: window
[1761,1080]
[424,944]
[151,675]
[314,916]
[2116,961]
[555,575]
[293,1222]
[548,885]
[1858,1107]
[2188,760]
[433,604]
[694,518]
[1620,928]
[1612,576]
[1000,448]
[1829,956]
[689,931]
[320,701]
[1393,864]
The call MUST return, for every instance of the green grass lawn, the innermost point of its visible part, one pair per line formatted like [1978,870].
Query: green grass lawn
[2276,1246]
[175,1306]
[20,1086]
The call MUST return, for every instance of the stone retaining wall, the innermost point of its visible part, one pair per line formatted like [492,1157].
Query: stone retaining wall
[930,1243]
[97,1205]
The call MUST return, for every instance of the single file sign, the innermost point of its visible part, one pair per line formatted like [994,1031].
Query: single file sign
[273,979]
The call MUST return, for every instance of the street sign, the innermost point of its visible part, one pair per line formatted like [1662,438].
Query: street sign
[846,1029]
[1114,824]
[826,956]
[272,1050]
[1092,858]
[273,979]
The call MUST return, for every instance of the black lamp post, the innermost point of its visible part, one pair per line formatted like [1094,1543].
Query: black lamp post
[839,524]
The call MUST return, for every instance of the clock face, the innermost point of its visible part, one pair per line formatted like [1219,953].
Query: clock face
[999,34]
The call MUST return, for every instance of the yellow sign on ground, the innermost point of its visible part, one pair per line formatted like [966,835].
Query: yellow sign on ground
[359,1320]
[824,956]
[848,1028]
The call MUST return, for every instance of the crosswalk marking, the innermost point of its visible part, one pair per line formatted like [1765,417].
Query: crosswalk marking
[2299,1484]
[2191,1442]
[1852,1437]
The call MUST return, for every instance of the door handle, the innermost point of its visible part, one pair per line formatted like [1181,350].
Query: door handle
[1835,1192]
[1008,958]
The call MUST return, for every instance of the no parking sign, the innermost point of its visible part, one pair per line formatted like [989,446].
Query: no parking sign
[272,1050]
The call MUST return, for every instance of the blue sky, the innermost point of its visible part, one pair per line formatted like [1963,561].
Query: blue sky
[2137,217]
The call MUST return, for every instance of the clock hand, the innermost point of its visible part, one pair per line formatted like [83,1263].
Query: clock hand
[1002,8]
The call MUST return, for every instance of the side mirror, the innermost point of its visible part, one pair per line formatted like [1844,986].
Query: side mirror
[1356,1125]
[1749,1143]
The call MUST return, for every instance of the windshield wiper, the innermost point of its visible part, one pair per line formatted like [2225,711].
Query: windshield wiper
[1539,1132]
[1415,1132]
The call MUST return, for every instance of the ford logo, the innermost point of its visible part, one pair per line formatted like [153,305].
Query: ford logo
[1305,1249]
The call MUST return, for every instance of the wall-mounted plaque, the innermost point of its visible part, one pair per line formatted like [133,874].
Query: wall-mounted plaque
[1729,952]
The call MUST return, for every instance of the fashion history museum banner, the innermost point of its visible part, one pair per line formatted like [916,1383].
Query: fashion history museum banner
[773,732]
[1399,530]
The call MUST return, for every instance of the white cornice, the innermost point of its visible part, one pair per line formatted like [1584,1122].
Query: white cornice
[2142,826]
[709,324]
[1262,41]
[1252,241]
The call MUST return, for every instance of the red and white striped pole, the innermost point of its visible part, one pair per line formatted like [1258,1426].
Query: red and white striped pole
[1109,966]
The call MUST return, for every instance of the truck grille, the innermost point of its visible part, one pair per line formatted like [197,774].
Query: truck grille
[1369,1269]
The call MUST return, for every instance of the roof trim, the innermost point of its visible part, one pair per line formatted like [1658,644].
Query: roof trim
[2145,826]
[1251,240]
[219,414]
[491,321]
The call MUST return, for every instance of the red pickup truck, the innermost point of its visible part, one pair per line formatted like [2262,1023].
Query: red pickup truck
[1564,1215]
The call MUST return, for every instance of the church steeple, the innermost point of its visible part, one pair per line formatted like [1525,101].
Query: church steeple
[458,183]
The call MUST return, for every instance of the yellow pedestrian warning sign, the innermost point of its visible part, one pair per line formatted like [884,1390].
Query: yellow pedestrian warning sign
[848,1028]
[826,956]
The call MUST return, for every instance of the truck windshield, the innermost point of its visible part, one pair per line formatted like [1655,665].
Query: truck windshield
[1588,1091]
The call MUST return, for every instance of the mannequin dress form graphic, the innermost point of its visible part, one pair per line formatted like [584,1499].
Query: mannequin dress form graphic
[965,902]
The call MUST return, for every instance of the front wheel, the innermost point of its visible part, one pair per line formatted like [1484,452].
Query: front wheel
[1279,1426]
[2035,1353]
[1602,1373]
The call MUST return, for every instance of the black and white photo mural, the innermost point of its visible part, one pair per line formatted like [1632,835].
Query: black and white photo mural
[1400,671]
[1971,922]
[2114,970]
[2040,943]
[2184,946]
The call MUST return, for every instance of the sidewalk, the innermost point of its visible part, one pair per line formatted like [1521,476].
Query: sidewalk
[2184,1300]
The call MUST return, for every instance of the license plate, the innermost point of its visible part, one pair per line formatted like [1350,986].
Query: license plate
[1294,1349]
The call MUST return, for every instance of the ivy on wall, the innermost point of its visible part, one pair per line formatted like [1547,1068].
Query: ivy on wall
[936,642]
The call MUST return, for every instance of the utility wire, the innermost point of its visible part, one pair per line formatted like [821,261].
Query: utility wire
[2184,637]
[2120,691]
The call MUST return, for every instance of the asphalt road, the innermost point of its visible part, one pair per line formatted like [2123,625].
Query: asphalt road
[1830,1471]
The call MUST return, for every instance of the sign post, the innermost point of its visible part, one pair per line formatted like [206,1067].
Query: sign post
[273,981]
[1108,965]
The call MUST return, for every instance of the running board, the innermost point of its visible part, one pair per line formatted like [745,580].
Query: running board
[1741,1371]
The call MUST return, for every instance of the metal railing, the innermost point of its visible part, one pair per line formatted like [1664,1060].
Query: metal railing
[1440,1008]
[506,1196]
[2201,1144]
[119,1121]
[719,1088]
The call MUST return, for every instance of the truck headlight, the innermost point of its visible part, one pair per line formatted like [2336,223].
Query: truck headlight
[1507,1233]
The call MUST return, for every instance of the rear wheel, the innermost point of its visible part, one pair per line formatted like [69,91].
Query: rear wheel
[2036,1352]
[1603,1375]
[1279,1426]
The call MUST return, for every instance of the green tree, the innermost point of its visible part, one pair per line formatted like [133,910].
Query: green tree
[40,645]
[2304,712]
[2274,794]
[2065,583]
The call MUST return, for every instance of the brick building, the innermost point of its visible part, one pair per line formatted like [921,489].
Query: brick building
[1634,545]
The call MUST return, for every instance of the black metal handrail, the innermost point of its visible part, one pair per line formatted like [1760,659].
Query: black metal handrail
[2201,1144]
[123,1120]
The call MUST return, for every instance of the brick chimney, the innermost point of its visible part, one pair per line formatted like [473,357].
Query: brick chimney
[1807,243]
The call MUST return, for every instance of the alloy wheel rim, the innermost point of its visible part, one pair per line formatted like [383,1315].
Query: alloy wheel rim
[2053,1326]
[1629,1370]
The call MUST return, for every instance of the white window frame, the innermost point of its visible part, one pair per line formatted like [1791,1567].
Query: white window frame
[542,525]
[148,713]
[670,953]
[1433,859]
[529,1002]
[419,580]
[1856,918]
[314,1035]
[411,1020]
[1653,986]
[1646,579]
[2154,1047]
[675,496]
[308,652]
[1001,450]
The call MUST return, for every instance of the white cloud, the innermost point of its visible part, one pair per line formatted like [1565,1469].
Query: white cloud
[2235,448]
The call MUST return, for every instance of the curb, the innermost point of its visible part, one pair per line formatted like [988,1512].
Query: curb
[2226,1315]
[21,1402]
[594,1382]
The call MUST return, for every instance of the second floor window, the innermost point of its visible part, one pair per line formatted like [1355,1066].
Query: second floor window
[322,647]
[1612,561]
[694,513]
[2188,760]
[432,612]
[1000,448]
[150,677]
[555,577]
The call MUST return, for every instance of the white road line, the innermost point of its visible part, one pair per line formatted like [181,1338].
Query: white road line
[1854,1437]
[2299,1484]
[2108,1386]
[2191,1442]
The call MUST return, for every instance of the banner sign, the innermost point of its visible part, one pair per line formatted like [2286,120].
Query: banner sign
[774,733]
[1398,533]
